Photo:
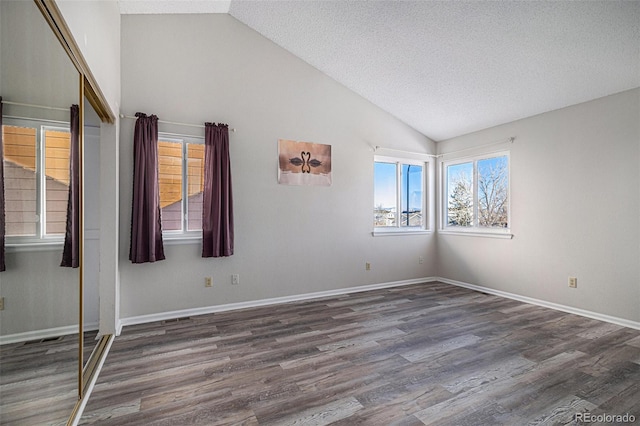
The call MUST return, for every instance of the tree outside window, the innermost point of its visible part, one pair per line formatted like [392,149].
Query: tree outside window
[478,193]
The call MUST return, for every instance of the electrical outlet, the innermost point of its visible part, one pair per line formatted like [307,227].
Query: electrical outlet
[367,266]
[421,260]
[208,282]
[573,282]
[1,303]
[235,279]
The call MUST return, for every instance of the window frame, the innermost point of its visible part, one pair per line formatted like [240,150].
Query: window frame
[41,239]
[398,229]
[475,229]
[184,234]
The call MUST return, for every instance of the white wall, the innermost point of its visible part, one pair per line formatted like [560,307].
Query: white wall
[289,240]
[575,209]
[36,69]
[569,169]
[95,26]
[39,294]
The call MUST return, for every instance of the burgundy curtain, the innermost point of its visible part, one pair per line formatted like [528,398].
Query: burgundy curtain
[71,252]
[217,209]
[146,230]
[2,224]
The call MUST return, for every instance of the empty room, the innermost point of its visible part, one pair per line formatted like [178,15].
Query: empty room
[319,212]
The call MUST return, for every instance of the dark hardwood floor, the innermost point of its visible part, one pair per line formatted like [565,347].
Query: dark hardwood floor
[421,354]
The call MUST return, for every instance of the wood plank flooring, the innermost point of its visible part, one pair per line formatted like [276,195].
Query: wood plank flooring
[38,380]
[421,354]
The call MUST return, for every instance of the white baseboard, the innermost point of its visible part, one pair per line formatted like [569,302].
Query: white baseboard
[161,316]
[38,334]
[119,326]
[558,307]
[142,319]
[46,333]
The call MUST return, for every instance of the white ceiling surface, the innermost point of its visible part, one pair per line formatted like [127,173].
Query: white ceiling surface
[451,68]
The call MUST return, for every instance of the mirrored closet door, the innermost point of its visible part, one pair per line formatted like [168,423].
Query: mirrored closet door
[49,320]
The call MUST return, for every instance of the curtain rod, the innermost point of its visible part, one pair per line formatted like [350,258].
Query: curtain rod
[500,142]
[43,120]
[35,106]
[201,126]
[509,139]
[377,147]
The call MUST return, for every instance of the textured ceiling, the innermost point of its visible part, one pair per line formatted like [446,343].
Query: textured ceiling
[450,68]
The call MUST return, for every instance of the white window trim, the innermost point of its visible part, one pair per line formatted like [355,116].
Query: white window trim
[42,180]
[40,241]
[183,236]
[386,232]
[474,231]
[23,244]
[399,230]
[178,238]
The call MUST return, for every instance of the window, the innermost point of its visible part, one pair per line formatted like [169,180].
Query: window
[399,201]
[36,167]
[477,194]
[181,181]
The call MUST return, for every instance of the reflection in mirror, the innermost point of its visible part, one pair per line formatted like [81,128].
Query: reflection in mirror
[39,322]
[91,228]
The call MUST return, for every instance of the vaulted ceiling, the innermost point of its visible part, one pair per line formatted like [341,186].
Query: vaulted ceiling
[448,68]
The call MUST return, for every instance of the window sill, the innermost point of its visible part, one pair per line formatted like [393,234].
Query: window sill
[35,245]
[477,233]
[180,239]
[382,232]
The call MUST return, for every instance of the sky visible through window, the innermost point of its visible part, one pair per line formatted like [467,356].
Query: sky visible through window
[385,185]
